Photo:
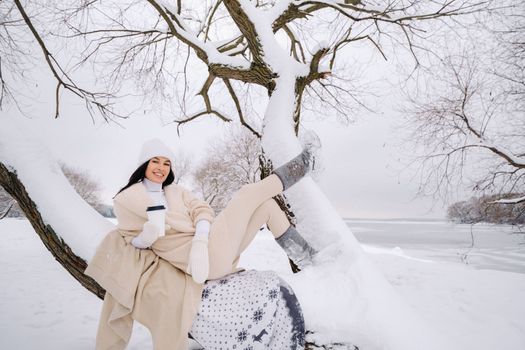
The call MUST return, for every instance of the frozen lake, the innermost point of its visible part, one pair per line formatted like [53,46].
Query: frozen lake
[488,246]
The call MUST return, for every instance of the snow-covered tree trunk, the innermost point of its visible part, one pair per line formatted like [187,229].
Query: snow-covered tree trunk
[54,243]
[67,225]
[345,298]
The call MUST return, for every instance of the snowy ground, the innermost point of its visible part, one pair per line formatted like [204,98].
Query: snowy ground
[473,295]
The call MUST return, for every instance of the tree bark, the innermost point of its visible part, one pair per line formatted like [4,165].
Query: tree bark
[58,248]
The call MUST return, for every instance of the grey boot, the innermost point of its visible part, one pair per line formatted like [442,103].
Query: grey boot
[295,169]
[296,247]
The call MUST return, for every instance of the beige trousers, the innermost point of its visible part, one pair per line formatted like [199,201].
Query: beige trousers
[237,224]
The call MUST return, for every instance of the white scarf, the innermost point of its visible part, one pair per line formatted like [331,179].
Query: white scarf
[156,192]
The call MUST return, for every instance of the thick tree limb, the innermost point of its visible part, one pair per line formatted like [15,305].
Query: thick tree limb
[236,46]
[314,66]
[58,248]
[247,28]
[258,73]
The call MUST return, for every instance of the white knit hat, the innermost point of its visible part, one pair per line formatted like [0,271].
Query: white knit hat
[155,148]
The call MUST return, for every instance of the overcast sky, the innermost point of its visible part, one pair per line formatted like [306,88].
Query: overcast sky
[361,173]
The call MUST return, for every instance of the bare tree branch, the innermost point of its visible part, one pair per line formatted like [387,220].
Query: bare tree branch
[6,210]
[239,110]
[91,98]
[472,109]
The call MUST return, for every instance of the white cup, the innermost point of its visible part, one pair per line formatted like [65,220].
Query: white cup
[157,215]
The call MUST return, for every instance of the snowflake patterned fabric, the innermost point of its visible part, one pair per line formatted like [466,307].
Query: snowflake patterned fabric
[249,310]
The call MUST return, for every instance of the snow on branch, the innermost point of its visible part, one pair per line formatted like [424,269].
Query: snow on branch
[221,58]
[204,50]
[511,200]
[269,49]
[240,13]
[22,155]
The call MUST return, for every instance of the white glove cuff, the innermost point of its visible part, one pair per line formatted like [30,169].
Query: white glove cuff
[137,242]
[202,230]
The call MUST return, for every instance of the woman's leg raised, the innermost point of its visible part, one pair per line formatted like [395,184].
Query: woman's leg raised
[229,228]
[286,235]
[250,196]
[241,207]
[225,247]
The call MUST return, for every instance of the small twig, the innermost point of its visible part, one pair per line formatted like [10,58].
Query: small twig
[239,110]
[199,114]
[6,211]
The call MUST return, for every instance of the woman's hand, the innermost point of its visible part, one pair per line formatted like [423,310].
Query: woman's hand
[198,262]
[148,236]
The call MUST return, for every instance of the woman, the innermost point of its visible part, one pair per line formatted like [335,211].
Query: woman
[158,279]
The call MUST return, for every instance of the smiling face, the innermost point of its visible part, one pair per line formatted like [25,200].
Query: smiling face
[158,169]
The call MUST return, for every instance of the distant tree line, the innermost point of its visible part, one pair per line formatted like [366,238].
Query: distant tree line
[488,209]
[230,162]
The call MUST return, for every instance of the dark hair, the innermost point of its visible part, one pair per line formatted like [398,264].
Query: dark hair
[139,175]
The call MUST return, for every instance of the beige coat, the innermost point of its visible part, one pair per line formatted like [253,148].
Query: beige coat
[149,285]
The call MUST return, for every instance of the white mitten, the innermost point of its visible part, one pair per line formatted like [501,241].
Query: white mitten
[148,236]
[198,262]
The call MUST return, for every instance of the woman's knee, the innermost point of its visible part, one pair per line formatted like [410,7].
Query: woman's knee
[247,189]
[277,220]
[269,206]
[244,195]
